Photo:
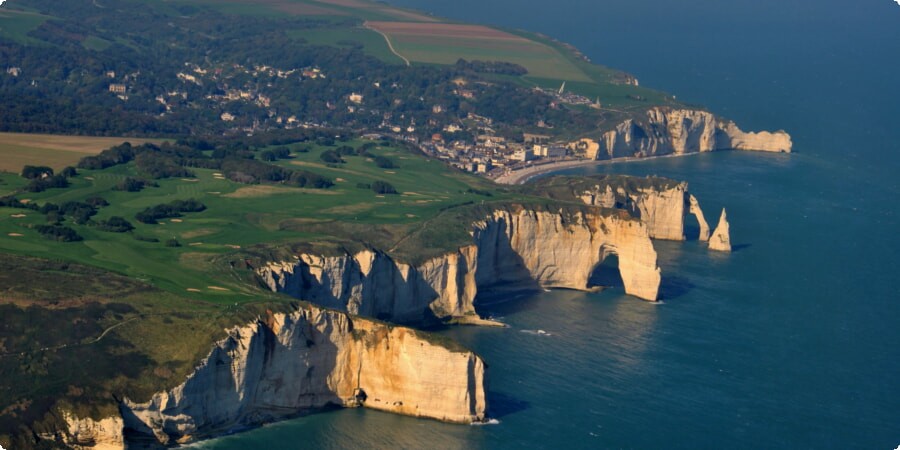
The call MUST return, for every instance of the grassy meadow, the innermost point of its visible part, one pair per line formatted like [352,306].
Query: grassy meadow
[240,216]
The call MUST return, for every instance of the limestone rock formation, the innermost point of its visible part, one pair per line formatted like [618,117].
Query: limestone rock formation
[721,238]
[698,213]
[510,246]
[286,364]
[661,208]
[104,434]
[372,284]
[667,131]
[563,249]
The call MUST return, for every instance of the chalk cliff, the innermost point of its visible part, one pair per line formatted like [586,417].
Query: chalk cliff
[666,131]
[660,203]
[286,364]
[104,434]
[721,237]
[371,283]
[698,213]
[661,208]
[510,246]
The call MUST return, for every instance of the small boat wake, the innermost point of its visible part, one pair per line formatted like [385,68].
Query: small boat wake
[536,332]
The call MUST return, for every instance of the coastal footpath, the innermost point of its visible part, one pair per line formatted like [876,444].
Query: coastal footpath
[285,364]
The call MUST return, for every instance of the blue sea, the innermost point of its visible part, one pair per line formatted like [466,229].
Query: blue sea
[791,341]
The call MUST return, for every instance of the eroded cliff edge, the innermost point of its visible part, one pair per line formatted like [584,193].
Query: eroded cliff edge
[668,131]
[662,204]
[513,245]
[285,364]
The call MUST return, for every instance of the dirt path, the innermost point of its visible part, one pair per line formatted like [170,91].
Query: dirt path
[64,346]
[388,40]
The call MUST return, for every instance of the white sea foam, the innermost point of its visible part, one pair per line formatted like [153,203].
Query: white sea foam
[537,332]
[486,422]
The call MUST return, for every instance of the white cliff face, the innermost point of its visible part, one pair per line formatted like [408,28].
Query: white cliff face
[104,434]
[662,210]
[698,213]
[541,248]
[372,284]
[763,141]
[721,237]
[680,131]
[563,249]
[293,363]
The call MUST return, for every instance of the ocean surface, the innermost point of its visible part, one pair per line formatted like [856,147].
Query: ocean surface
[791,341]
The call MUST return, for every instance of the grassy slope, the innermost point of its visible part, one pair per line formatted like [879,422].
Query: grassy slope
[239,216]
[15,25]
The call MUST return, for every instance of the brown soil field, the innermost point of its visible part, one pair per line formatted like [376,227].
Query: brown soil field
[444,30]
[56,151]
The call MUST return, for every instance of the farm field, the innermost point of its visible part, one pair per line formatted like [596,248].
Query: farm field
[20,149]
[446,43]
[372,42]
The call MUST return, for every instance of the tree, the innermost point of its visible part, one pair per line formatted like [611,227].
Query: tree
[383,187]
[36,172]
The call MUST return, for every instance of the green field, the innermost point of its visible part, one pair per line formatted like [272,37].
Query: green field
[15,25]
[238,216]
[371,42]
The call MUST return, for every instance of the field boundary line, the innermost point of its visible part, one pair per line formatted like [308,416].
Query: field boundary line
[388,40]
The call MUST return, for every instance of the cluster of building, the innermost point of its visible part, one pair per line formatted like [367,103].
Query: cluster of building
[494,155]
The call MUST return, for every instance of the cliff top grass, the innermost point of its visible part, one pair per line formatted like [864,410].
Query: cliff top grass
[180,254]
[569,188]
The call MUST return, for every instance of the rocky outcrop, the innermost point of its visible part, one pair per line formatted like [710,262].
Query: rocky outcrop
[698,213]
[563,249]
[721,238]
[666,131]
[660,207]
[286,364]
[370,283]
[510,246]
[103,434]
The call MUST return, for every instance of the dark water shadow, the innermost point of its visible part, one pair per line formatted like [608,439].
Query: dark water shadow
[490,302]
[739,247]
[607,274]
[673,286]
[501,405]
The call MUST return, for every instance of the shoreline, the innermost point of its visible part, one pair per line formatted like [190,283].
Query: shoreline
[525,175]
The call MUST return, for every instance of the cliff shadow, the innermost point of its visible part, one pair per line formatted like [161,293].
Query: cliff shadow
[691,227]
[501,405]
[674,286]
[502,272]
[607,275]
[740,247]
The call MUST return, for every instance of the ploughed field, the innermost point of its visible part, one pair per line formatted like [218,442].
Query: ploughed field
[21,149]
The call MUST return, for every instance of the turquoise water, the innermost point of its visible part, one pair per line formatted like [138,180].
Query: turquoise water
[793,340]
